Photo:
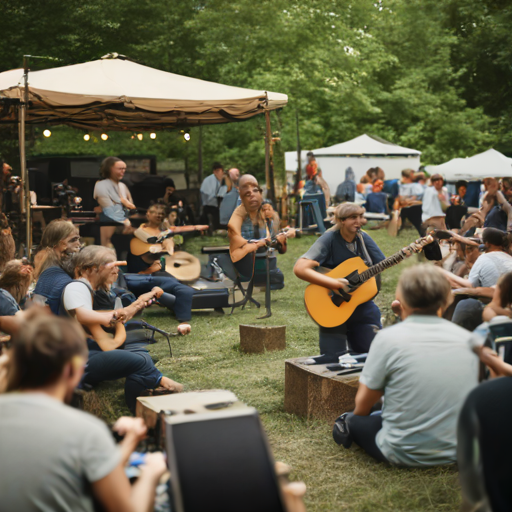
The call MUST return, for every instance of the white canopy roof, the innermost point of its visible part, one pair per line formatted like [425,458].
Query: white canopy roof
[119,94]
[365,145]
[490,163]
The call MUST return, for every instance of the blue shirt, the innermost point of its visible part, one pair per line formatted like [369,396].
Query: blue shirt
[51,284]
[8,304]
[376,202]
[331,249]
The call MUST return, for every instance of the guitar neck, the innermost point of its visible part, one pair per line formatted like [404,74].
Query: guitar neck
[393,260]
[401,255]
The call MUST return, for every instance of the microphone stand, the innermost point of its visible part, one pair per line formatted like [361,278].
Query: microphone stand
[268,313]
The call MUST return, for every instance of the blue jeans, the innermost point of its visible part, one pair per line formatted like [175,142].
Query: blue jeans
[358,331]
[132,362]
[364,430]
[143,283]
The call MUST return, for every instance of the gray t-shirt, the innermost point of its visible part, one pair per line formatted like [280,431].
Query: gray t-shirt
[489,267]
[49,454]
[426,368]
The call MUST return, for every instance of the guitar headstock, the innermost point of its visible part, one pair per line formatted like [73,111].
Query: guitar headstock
[418,245]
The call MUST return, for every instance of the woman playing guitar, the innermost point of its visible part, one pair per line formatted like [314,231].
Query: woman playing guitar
[340,243]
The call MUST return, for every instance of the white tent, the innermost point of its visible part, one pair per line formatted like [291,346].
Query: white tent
[360,154]
[490,163]
[118,94]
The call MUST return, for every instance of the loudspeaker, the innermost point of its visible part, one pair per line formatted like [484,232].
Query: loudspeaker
[220,461]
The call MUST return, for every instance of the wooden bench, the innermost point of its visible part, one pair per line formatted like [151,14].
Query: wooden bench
[314,392]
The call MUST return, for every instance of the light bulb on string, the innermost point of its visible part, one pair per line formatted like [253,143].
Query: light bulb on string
[47,133]
[186,136]
[152,135]
[87,137]
[104,136]
[140,136]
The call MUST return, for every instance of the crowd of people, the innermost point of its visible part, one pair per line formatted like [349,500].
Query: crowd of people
[419,384]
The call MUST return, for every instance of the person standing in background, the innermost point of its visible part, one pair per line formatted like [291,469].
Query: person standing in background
[435,203]
[212,191]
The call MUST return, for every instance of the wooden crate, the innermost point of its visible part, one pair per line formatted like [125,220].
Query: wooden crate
[255,339]
[313,392]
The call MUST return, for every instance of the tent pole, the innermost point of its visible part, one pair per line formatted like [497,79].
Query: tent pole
[200,157]
[269,174]
[298,176]
[25,187]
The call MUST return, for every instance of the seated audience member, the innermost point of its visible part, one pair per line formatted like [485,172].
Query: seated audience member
[458,209]
[70,456]
[60,240]
[424,367]
[484,274]
[96,267]
[15,281]
[435,203]
[377,201]
[409,200]
[114,198]
[346,191]
[174,202]
[484,450]
[145,271]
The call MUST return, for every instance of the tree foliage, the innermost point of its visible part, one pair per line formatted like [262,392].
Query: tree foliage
[432,75]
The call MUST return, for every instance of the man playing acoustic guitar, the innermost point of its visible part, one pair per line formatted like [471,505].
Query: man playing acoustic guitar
[340,243]
[146,271]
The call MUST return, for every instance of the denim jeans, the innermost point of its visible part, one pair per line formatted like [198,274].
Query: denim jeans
[143,283]
[132,362]
[358,331]
[363,430]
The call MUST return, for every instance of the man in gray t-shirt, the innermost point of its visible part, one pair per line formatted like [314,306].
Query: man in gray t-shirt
[424,367]
[53,451]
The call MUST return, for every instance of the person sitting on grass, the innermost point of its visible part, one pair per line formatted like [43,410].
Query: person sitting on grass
[109,357]
[484,274]
[15,281]
[424,367]
[70,456]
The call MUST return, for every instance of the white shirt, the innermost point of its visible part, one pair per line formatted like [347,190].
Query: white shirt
[110,192]
[426,368]
[489,267]
[77,295]
[431,205]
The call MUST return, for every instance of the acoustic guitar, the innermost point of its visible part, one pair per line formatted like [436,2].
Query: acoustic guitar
[138,247]
[330,308]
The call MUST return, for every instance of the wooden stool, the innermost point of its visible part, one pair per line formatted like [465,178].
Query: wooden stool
[148,407]
[255,339]
[313,392]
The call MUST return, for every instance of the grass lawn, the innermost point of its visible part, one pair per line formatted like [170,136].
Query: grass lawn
[337,479]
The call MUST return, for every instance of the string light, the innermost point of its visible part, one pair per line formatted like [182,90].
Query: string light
[87,137]
[47,133]
[104,136]
[186,136]
[140,136]
[152,135]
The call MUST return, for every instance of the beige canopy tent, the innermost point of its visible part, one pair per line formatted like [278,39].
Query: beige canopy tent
[114,93]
